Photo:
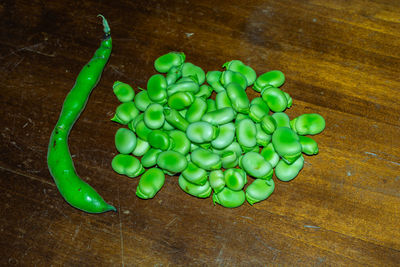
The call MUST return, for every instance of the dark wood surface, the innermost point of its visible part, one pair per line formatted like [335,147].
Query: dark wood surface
[341,59]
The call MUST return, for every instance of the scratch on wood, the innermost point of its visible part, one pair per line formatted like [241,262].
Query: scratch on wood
[312,226]
[171,222]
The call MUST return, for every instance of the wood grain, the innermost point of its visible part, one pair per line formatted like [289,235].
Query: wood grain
[341,59]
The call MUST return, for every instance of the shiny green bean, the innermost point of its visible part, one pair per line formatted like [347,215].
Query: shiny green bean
[229,77]
[211,105]
[154,116]
[272,78]
[183,86]
[180,141]
[235,179]
[142,131]
[200,191]
[125,113]
[204,92]
[246,71]
[201,132]
[123,91]
[196,110]
[268,124]
[311,124]
[225,136]
[149,158]
[237,95]
[258,109]
[174,118]
[141,148]
[286,144]
[235,147]
[259,190]
[269,154]
[206,159]
[150,183]
[213,79]
[219,116]
[127,165]
[308,145]
[281,119]
[286,172]
[125,141]
[132,124]
[167,126]
[142,100]
[173,75]
[222,100]
[172,59]
[229,159]
[195,174]
[246,133]
[160,139]
[189,69]
[217,180]
[229,198]
[180,100]
[172,162]
[275,99]
[157,88]
[255,165]
[262,138]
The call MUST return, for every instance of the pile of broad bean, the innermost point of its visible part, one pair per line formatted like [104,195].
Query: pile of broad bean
[177,126]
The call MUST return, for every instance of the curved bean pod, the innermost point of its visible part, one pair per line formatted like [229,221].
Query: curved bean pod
[150,183]
[259,190]
[229,198]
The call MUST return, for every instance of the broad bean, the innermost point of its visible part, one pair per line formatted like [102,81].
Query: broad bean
[312,123]
[271,78]
[172,162]
[286,172]
[269,154]
[172,59]
[201,132]
[160,139]
[229,77]
[245,70]
[125,141]
[200,191]
[262,138]
[127,165]
[259,190]
[141,148]
[150,183]
[308,145]
[157,88]
[229,198]
[206,159]
[180,100]
[246,133]
[222,100]
[154,116]
[217,180]
[275,99]
[235,179]
[180,141]
[225,136]
[125,113]
[219,116]
[281,119]
[213,79]
[174,118]
[255,165]
[195,174]
[286,144]
[229,159]
[196,110]
[189,69]
[142,100]
[123,91]
[149,158]
[237,95]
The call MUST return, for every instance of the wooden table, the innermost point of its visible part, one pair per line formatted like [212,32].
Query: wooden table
[341,59]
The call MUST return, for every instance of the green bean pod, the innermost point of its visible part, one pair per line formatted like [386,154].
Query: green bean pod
[157,88]
[268,124]
[141,148]
[272,78]
[229,198]
[174,118]
[194,174]
[258,109]
[262,138]
[311,124]
[125,113]
[246,71]
[246,133]
[142,131]
[173,75]
[206,159]
[127,165]
[200,191]
[196,110]
[255,165]
[213,79]
[180,141]
[275,99]
[286,144]
[217,180]
[235,179]
[204,92]
[123,91]
[219,116]
[225,136]
[149,158]
[286,172]
[183,86]
[229,77]
[222,100]
[281,119]
[270,155]
[154,116]
[259,190]
[211,105]
[308,145]
[229,159]
[142,100]
[160,139]
[201,132]
[240,101]
[125,141]
[172,59]
[180,100]
[150,183]
[171,161]
[189,69]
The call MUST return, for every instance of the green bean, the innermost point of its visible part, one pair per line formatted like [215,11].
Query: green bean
[258,109]
[235,179]
[175,119]
[173,75]
[165,62]
[132,124]
[246,71]
[217,180]
[259,190]
[308,145]
[167,127]
[125,112]
[281,119]
[286,172]
[272,78]
[180,100]
[127,165]
[311,124]
[154,116]
[194,174]
[229,198]
[246,133]
[204,92]
[200,191]
[229,159]
[157,88]
[229,77]
[240,101]
[235,147]
[219,116]
[255,165]
[206,159]
[142,100]
[211,105]
[149,158]
[201,132]
[123,91]
[222,100]
[225,136]
[150,183]
[171,161]
[286,144]
[213,79]
[160,139]
[183,86]
[270,155]
[180,141]
[189,69]
[142,131]
[262,138]
[125,141]
[268,124]
[196,110]
[275,99]
[141,148]
[289,99]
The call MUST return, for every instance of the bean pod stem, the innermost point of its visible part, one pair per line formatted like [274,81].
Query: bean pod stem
[75,191]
